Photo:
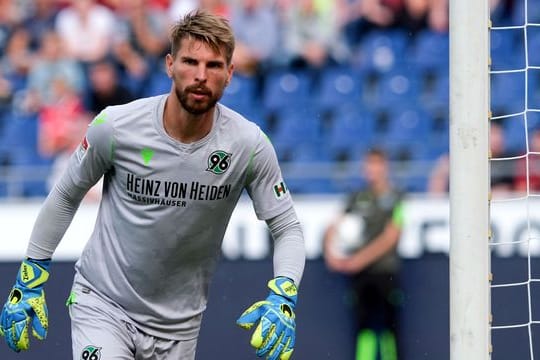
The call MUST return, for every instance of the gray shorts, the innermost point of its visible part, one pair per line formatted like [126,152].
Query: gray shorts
[100,331]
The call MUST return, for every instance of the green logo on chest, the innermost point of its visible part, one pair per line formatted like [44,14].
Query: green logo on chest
[218,162]
[147,155]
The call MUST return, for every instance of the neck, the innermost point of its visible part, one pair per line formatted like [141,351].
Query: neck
[184,126]
[380,187]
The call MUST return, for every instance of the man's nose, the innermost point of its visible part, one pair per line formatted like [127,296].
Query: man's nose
[201,75]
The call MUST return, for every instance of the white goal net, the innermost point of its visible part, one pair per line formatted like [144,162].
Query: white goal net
[514,240]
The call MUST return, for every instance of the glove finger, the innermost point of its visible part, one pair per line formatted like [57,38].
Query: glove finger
[288,348]
[281,334]
[276,350]
[286,354]
[39,307]
[251,315]
[40,320]
[271,338]
[263,332]
[270,324]
[39,330]
[17,335]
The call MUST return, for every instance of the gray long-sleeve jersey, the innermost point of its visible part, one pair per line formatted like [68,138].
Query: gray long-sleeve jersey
[164,211]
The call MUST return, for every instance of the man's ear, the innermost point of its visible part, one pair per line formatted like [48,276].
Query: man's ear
[169,60]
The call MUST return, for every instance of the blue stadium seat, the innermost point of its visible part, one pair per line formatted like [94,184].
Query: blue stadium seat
[352,131]
[507,93]
[311,152]
[408,125]
[338,85]
[19,146]
[399,87]
[518,12]
[158,83]
[514,130]
[303,169]
[382,50]
[439,139]
[287,88]
[506,49]
[241,92]
[533,43]
[431,50]
[438,94]
[514,134]
[296,127]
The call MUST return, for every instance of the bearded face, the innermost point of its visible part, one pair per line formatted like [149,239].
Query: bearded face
[199,74]
[197,99]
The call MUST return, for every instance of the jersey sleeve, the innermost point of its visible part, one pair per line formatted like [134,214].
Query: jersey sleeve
[265,184]
[93,157]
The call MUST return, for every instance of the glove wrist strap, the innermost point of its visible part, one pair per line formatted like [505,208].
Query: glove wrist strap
[33,273]
[285,287]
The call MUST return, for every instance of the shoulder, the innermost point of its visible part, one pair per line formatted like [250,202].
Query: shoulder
[136,109]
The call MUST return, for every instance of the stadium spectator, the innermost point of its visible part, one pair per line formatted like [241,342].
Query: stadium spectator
[438,180]
[373,268]
[18,60]
[502,169]
[528,169]
[256,28]
[363,16]
[141,41]
[87,30]
[181,7]
[10,17]
[40,20]
[217,7]
[104,88]
[417,15]
[62,122]
[311,34]
[502,12]
[144,27]
[52,63]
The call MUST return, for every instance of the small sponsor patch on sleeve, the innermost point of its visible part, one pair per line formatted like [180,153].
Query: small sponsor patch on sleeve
[280,190]
[82,149]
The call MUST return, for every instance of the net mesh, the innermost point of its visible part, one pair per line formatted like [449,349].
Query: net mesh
[515,181]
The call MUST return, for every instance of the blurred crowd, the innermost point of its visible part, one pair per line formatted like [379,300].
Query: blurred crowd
[81,50]
[63,61]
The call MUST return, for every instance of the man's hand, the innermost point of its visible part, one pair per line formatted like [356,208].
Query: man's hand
[25,310]
[274,336]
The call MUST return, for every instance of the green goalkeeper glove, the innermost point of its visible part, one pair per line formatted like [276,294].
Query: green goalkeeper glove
[274,336]
[25,309]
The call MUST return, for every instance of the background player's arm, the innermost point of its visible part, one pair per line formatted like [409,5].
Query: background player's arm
[382,244]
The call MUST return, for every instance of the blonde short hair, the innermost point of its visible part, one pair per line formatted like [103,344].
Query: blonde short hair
[203,26]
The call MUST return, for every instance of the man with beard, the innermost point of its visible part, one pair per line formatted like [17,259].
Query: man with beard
[174,167]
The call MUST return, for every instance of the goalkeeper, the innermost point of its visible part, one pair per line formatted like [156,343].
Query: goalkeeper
[174,167]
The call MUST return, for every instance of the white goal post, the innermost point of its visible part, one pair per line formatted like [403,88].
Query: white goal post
[469,181]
